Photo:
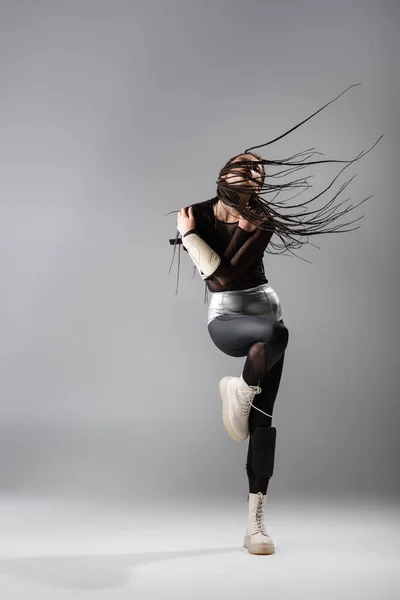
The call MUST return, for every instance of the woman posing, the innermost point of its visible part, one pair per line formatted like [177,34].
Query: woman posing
[226,238]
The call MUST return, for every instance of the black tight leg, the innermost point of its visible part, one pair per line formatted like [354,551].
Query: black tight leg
[263,355]
[265,401]
[263,340]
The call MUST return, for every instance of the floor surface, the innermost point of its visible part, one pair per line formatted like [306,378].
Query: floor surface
[62,550]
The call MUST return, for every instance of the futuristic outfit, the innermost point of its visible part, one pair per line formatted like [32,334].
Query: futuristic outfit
[244,319]
[244,315]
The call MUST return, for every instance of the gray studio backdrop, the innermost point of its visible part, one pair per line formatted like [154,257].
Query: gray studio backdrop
[114,113]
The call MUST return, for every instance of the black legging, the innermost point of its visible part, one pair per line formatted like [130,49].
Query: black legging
[263,340]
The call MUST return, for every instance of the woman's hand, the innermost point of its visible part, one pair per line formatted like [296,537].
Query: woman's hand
[185,220]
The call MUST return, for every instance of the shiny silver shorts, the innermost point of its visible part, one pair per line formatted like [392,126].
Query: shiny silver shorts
[260,300]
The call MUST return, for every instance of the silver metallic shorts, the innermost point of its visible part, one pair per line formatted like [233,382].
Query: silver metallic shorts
[260,300]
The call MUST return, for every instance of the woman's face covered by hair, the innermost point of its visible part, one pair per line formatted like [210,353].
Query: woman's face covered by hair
[240,181]
[244,173]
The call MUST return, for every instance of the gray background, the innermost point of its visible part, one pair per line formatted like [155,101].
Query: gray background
[113,114]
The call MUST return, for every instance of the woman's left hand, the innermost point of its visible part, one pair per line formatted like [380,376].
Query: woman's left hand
[185,220]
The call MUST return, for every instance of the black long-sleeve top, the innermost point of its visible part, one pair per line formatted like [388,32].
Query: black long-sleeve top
[241,251]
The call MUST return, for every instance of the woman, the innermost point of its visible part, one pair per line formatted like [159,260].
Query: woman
[226,238]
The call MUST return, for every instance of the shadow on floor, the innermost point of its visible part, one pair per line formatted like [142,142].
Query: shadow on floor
[93,572]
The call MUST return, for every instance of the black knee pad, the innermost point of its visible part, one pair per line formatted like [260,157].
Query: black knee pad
[263,440]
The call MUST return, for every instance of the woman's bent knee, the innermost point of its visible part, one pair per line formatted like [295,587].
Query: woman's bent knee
[282,334]
[278,337]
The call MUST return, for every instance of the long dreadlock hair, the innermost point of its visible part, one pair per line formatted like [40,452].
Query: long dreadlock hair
[295,228]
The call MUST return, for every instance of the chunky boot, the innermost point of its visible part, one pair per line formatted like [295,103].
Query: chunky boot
[256,540]
[237,398]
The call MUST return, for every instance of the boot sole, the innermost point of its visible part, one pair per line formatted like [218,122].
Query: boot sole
[223,390]
[258,548]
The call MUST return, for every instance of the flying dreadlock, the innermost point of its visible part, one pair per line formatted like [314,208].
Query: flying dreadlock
[295,228]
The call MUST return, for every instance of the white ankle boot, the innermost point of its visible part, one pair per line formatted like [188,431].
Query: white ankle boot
[237,398]
[256,540]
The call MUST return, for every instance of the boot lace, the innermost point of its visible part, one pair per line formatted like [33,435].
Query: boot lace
[258,516]
[246,399]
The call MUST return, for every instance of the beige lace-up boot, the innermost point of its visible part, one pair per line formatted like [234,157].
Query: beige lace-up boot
[256,540]
[237,398]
